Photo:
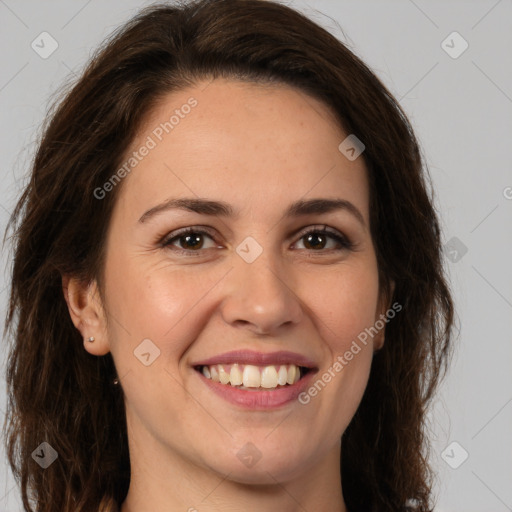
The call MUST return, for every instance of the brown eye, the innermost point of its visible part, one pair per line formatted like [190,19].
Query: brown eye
[188,240]
[191,241]
[317,240]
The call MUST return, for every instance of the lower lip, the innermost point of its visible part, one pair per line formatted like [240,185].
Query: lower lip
[259,400]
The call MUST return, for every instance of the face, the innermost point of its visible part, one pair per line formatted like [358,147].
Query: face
[253,296]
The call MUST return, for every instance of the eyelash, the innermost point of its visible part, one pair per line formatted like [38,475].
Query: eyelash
[344,242]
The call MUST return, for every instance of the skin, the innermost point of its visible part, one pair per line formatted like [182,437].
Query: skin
[258,148]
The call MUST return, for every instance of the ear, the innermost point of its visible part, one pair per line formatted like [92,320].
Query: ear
[380,317]
[87,313]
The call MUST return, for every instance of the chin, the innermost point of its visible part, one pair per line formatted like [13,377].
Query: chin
[268,465]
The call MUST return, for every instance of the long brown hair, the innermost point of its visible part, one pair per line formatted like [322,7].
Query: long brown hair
[60,394]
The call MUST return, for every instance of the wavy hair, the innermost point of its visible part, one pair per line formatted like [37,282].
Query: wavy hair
[60,394]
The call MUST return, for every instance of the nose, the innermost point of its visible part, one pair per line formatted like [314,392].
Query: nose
[259,296]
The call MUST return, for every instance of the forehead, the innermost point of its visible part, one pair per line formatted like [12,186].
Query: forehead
[258,147]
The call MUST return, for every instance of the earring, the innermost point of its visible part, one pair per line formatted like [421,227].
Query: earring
[91,339]
[116,381]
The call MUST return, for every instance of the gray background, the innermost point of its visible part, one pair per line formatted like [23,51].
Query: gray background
[461,109]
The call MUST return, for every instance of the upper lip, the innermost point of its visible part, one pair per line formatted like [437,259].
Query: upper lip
[258,358]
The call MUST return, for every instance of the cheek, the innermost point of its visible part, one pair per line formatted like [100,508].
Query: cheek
[169,305]
[343,302]
[161,304]
[343,307]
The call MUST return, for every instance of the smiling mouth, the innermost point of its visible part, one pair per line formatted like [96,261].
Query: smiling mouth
[254,378]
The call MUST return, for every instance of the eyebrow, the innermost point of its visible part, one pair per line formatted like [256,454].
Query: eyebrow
[223,209]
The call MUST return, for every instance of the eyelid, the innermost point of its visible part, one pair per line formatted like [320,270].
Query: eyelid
[344,241]
[318,228]
[165,240]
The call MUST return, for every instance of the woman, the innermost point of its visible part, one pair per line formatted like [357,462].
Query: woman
[227,290]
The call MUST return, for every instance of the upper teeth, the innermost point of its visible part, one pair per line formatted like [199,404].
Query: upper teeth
[251,376]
